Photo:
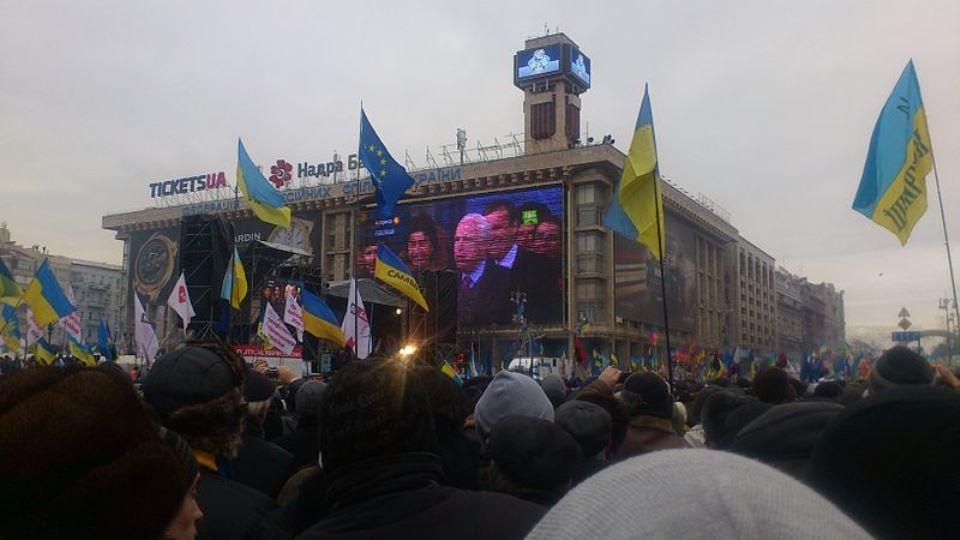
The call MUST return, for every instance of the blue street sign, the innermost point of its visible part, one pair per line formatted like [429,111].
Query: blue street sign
[904,337]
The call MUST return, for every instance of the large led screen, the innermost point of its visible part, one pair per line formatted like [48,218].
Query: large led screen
[580,67]
[637,287]
[536,62]
[496,244]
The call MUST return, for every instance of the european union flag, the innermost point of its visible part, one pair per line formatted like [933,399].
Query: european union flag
[390,180]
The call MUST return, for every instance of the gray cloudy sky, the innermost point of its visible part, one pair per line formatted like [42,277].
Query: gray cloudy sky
[765,106]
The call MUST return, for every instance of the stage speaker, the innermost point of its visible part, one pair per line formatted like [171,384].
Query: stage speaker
[441,294]
[206,245]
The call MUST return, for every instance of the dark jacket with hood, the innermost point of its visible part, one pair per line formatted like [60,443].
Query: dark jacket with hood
[401,496]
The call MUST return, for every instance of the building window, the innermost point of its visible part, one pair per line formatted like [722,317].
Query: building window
[587,194]
[589,243]
[543,120]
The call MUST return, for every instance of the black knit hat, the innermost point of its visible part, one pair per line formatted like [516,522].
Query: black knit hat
[257,386]
[589,424]
[889,461]
[534,453]
[772,385]
[647,394]
[899,366]
[189,376]
[374,409]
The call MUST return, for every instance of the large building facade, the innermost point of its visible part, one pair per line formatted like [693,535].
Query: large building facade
[581,282]
[97,287]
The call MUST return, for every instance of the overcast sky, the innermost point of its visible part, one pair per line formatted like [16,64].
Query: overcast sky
[767,107]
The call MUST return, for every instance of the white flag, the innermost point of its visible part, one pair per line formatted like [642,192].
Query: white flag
[293,314]
[147,346]
[71,323]
[276,332]
[180,301]
[34,333]
[356,314]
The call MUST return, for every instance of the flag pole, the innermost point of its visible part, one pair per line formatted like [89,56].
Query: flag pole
[663,282]
[356,247]
[946,239]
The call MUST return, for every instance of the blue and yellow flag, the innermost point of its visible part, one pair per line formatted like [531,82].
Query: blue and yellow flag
[46,298]
[44,352]
[448,370]
[81,352]
[234,287]
[10,292]
[10,329]
[636,210]
[391,270]
[265,201]
[390,180]
[319,320]
[893,188]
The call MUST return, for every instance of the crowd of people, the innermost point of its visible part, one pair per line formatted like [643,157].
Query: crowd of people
[205,446]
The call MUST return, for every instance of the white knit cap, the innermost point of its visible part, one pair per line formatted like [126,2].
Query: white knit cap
[693,494]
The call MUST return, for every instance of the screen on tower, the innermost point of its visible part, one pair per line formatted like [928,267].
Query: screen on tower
[580,67]
[497,244]
[537,62]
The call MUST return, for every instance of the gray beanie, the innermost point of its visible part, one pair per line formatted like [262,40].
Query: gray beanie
[693,493]
[510,393]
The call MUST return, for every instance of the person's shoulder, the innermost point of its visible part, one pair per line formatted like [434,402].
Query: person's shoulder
[213,487]
[494,502]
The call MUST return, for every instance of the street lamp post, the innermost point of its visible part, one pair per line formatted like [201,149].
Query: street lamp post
[945,306]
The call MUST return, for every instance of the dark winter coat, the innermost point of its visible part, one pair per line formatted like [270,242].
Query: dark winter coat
[402,497]
[262,465]
[233,510]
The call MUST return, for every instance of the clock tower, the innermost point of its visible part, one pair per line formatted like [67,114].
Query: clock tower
[552,72]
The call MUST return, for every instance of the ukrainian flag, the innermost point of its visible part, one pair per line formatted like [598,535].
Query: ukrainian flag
[319,320]
[46,298]
[10,292]
[893,188]
[448,370]
[266,202]
[234,287]
[10,329]
[44,352]
[391,270]
[81,352]
[636,210]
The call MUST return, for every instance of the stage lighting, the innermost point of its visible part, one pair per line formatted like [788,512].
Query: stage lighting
[407,350]
[399,311]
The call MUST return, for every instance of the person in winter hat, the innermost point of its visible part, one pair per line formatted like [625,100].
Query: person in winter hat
[303,442]
[383,476]
[82,458]
[784,436]
[510,393]
[693,494]
[196,390]
[725,413]
[592,427]
[650,407]
[890,462]
[532,459]
[772,385]
[555,389]
[899,366]
[260,464]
